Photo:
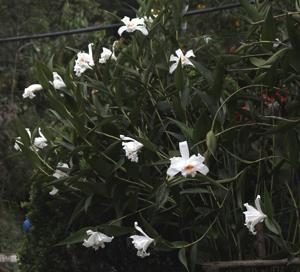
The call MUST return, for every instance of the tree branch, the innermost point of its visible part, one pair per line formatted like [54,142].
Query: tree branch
[214,266]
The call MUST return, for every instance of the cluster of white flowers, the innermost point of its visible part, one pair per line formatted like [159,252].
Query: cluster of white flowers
[85,60]
[29,92]
[38,142]
[185,164]
[140,242]
[57,83]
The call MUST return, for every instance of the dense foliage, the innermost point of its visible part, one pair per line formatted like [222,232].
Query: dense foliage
[238,109]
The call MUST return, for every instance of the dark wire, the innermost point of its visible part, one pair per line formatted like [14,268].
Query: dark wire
[104,27]
[214,9]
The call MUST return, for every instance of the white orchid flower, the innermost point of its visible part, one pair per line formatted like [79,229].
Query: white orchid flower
[133,25]
[253,216]
[184,59]
[131,147]
[141,242]
[29,92]
[96,239]
[58,82]
[106,55]
[84,61]
[18,143]
[54,191]
[207,39]
[59,173]
[185,164]
[40,142]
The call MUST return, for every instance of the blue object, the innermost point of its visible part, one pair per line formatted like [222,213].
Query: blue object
[26,225]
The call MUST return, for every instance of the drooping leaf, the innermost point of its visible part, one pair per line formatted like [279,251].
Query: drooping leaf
[74,238]
[182,257]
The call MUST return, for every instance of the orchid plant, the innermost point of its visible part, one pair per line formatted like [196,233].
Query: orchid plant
[193,203]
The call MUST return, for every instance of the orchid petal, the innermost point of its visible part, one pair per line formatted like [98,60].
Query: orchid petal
[121,30]
[173,67]
[143,29]
[184,150]
[174,58]
[189,54]
[126,20]
[179,53]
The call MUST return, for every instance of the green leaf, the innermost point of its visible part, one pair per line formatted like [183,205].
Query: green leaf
[91,188]
[261,63]
[114,230]
[283,126]
[178,244]
[272,226]
[44,74]
[50,63]
[252,12]
[149,229]
[170,245]
[177,107]
[292,146]
[162,195]
[187,131]
[147,143]
[76,212]
[194,257]
[218,79]
[179,82]
[201,128]
[268,207]
[74,238]
[88,202]
[25,139]
[182,258]
[268,30]
[211,142]
[204,71]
